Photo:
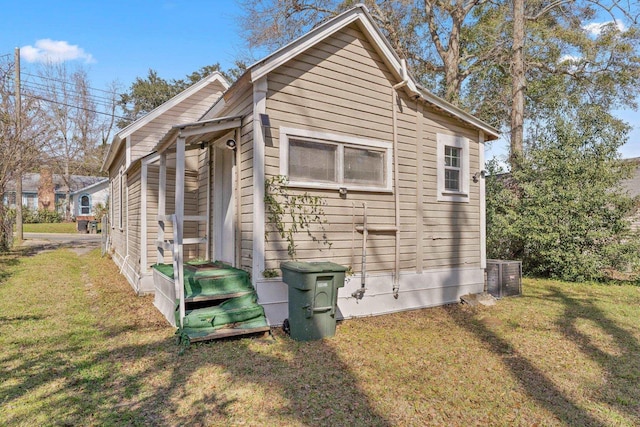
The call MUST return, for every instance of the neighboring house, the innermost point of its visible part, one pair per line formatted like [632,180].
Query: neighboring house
[84,201]
[633,187]
[337,114]
[133,178]
[49,191]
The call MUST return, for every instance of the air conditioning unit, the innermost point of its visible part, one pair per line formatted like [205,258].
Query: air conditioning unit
[504,278]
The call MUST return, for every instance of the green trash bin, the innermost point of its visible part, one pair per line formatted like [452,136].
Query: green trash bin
[313,296]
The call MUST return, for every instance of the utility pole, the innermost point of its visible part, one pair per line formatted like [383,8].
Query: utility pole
[18,178]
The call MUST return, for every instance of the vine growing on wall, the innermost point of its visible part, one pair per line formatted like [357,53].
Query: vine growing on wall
[291,213]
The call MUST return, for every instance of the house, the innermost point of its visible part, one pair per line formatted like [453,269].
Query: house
[398,171]
[46,190]
[133,179]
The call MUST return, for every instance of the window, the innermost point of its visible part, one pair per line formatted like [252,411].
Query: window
[453,168]
[312,161]
[85,204]
[322,160]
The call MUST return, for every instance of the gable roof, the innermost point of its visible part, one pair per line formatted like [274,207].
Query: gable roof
[104,182]
[360,15]
[147,118]
[31,181]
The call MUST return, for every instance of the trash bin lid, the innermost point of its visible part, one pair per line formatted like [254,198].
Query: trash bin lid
[312,267]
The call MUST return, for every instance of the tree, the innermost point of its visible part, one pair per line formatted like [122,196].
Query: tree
[507,62]
[17,146]
[77,129]
[563,212]
[146,94]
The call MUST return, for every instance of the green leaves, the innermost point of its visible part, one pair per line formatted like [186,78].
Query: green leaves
[563,211]
[290,213]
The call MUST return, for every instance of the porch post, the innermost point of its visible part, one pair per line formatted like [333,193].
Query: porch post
[143,217]
[178,224]
[259,107]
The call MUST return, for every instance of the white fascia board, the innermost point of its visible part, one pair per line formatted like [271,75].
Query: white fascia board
[89,187]
[141,122]
[286,53]
[459,113]
[216,76]
[111,154]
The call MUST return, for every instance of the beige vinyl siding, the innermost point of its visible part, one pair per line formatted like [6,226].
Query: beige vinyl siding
[118,241]
[134,217]
[189,110]
[342,86]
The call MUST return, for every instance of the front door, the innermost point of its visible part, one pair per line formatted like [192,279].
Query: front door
[223,206]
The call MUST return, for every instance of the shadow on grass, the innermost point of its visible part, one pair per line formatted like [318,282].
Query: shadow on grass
[8,260]
[621,364]
[308,384]
[126,370]
[623,369]
[533,381]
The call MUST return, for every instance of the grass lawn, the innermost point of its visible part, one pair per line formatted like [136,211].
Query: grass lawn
[78,348]
[61,227]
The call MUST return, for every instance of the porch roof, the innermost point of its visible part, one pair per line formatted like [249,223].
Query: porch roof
[197,132]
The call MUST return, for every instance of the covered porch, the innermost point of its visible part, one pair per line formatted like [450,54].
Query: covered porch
[197,280]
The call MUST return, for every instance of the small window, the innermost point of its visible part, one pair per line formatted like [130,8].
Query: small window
[453,168]
[322,160]
[85,205]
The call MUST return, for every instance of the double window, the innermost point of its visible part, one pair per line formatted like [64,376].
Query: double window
[453,168]
[322,160]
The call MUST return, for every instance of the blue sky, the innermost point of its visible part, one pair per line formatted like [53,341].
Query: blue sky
[119,40]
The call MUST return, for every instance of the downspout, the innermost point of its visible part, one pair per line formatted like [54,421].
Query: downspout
[396,172]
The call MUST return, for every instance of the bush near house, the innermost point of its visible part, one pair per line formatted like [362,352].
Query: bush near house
[562,211]
[40,216]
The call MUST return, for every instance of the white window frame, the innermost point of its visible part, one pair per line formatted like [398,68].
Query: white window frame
[80,213]
[462,143]
[340,141]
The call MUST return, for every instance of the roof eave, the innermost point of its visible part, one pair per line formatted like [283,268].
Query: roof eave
[142,121]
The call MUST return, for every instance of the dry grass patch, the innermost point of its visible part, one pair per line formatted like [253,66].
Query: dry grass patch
[79,348]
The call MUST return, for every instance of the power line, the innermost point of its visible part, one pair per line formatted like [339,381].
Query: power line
[63,81]
[74,106]
[45,91]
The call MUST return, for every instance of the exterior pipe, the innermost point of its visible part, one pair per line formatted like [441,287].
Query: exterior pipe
[396,172]
[360,292]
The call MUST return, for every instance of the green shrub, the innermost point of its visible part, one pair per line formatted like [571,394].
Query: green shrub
[563,211]
[39,216]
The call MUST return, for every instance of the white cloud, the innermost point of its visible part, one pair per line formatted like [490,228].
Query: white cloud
[54,51]
[595,28]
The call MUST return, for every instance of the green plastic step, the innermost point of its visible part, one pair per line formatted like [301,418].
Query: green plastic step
[234,310]
[217,283]
[253,326]
[205,280]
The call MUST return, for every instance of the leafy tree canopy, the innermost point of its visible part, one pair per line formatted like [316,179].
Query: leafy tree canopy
[148,93]
[564,212]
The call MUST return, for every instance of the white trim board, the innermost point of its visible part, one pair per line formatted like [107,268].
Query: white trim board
[417,290]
